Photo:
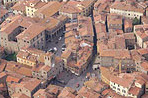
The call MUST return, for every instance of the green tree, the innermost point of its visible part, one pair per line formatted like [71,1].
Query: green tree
[136,21]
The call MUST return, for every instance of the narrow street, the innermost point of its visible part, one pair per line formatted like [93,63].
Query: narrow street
[71,80]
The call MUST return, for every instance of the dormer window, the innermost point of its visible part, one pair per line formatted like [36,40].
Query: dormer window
[31,4]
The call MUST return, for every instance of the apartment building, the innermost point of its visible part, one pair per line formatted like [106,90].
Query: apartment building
[32,6]
[128,26]
[141,32]
[25,88]
[3,15]
[147,12]
[74,8]
[143,67]
[128,85]
[50,9]
[20,31]
[114,21]
[2,52]
[126,10]
[105,75]
[44,65]
[51,91]
[30,87]
[48,72]
[30,56]
[9,3]
[77,59]
[19,8]
[112,57]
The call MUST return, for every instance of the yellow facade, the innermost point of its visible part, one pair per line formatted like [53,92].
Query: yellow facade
[26,62]
[30,11]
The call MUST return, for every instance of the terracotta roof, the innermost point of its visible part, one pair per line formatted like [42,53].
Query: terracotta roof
[2,74]
[19,95]
[19,6]
[66,94]
[31,32]
[126,80]
[134,91]
[126,7]
[84,92]
[14,79]
[32,84]
[118,53]
[49,9]
[2,64]
[3,11]
[46,68]
[144,65]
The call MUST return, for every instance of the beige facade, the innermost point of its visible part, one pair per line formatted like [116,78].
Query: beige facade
[32,6]
[128,11]
[73,8]
[19,31]
[141,35]
[9,3]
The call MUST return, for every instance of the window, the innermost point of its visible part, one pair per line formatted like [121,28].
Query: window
[123,91]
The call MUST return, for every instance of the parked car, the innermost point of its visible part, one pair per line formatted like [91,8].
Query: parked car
[77,85]
[63,46]
[55,49]
[60,38]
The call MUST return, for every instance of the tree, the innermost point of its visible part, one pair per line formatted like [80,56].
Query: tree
[136,21]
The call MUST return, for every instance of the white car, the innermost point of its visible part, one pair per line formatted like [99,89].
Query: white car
[63,49]
[60,38]
[55,49]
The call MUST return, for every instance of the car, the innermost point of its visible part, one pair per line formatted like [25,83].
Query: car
[55,49]
[63,46]
[60,38]
[63,49]
[77,85]
[51,50]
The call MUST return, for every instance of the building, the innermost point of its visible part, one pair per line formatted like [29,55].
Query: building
[51,91]
[30,87]
[32,6]
[143,67]
[87,93]
[141,34]
[74,8]
[105,75]
[114,22]
[128,85]
[25,88]
[2,52]
[126,10]
[147,12]
[44,65]
[19,8]
[20,31]
[77,57]
[67,92]
[49,9]
[112,57]
[9,3]
[3,15]
[128,26]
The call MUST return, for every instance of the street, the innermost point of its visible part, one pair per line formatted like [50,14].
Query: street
[68,79]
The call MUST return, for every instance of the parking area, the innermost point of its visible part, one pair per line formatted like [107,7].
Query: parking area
[56,44]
